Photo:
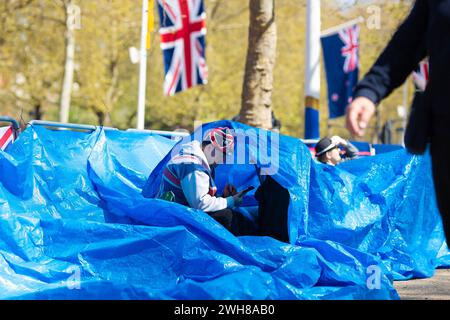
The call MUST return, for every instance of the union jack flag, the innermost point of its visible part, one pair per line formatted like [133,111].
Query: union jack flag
[341,57]
[349,37]
[421,75]
[182,31]
[6,137]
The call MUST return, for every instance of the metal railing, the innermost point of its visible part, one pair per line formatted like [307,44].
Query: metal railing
[170,134]
[309,141]
[11,120]
[175,135]
[67,126]
[14,123]
[90,128]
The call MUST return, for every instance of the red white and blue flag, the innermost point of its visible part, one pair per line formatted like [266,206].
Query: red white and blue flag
[6,137]
[341,57]
[422,75]
[349,37]
[182,31]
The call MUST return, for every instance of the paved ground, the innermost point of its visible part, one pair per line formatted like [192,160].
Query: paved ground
[436,288]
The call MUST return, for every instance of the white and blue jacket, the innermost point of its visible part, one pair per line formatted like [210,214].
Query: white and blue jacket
[189,177]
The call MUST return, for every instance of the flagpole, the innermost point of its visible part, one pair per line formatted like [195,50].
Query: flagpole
[335,29]
[312,70]
[142,67]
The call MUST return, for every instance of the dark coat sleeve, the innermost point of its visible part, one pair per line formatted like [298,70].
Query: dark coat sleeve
[401,56]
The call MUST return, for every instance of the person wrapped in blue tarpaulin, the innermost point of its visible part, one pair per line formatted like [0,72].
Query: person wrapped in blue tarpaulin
[188,179]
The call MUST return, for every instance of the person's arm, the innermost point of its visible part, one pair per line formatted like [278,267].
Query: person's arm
[351,152]
[196,187]
[401,56]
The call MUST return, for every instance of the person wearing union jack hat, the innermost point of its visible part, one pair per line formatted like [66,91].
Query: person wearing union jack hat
[188,180]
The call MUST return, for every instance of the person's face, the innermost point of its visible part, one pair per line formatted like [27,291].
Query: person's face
[213,155]
[334,156]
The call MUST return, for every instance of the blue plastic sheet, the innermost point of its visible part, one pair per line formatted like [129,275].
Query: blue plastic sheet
[74,224]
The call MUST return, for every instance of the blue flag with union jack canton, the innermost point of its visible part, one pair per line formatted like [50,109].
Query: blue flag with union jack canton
[341,57]
[182,31]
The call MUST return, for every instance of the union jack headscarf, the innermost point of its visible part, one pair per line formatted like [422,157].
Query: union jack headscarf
[221,138]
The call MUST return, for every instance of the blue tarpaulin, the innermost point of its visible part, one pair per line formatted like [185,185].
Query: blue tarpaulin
[74,223]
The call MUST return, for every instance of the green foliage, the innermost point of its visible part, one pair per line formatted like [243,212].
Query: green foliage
[30,64]
[32,53]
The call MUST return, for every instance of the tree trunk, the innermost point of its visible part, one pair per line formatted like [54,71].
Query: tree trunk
[256,104]
[101,117]
[36,113]
[69,63]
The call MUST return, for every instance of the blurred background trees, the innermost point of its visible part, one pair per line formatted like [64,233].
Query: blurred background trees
[105,82]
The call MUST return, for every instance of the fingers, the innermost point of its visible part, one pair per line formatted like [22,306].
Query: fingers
[241,194]
[359,113]
[338,140]
[365,116]
[230,189]
[333,141]
[352,119]
[226,191]
[237,200]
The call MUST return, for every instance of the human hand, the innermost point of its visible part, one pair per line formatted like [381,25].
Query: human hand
[229,190]
[358,115]
[338,141]
[238,198]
